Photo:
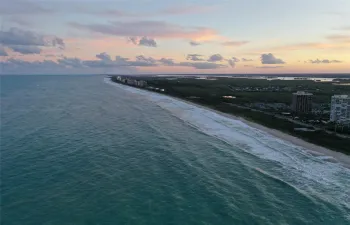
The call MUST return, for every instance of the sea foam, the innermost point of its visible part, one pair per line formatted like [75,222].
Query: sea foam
[314,174]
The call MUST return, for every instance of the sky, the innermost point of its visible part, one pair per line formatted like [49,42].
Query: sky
[174,37]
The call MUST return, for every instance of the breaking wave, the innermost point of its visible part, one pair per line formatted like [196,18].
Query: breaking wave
[315,175]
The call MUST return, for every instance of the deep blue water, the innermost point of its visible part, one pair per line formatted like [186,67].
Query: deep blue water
[79,150]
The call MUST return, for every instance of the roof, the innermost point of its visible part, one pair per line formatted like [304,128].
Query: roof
[341,96]
[302,93]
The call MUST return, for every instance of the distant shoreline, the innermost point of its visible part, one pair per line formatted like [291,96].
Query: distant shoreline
[312,148]
[325,75]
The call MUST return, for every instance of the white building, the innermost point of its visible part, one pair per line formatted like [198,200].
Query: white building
[340,109]
[141,83]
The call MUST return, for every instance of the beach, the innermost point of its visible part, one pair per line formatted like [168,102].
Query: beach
[314,149]
[330,155]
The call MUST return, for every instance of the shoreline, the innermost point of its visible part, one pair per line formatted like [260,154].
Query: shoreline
[337,157]
[310,147]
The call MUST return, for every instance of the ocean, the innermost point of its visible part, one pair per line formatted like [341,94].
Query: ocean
[82,150]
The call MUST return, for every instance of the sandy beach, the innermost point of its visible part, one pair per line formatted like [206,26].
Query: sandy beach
[314,149]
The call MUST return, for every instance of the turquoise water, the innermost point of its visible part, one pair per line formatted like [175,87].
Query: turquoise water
[80,150]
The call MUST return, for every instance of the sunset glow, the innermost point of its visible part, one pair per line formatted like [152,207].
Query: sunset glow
[252,36]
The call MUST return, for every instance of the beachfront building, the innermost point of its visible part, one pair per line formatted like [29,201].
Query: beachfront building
[302,102]
[340,109]
[141,83]
[131,81]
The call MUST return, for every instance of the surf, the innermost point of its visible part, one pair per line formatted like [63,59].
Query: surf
[314,174]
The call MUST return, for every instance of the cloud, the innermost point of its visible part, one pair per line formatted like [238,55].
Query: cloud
[16,36]
[194,43]
[324,61]
[186,9]
[17,19]
[104,56]
[337,13]
[111,12]
[215,58]
[346,28]
[149,42]
[232,62]
[246,60]
[70,62]
[306,45]
[158,29]
[270,59]
[194,57]
[210,64]
[142,58]
[144,41]
[234,43]
[26,50]
[62,66]
[167,62]
[17,65]
[141,61]
[3,51]
[57,42]
[269,67]
[121,59]
[104,63]
[28,42]
[141,64]
[177,10]
[334,42]
[202,65]
[134,40]
[235,59]
[99,64]
[21,7]
[339,38]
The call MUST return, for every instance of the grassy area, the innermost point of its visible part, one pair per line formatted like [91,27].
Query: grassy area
[203,88]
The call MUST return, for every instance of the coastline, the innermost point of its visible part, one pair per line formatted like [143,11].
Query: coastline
[312,148]
[337,157]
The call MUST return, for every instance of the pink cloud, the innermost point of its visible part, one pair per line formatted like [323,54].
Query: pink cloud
[173,10]
[334,45]
[180,10]
[340,38]
[158,29]
[334,42]
[234,43]
[87,48]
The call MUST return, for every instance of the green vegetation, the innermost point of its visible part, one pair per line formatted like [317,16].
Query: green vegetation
[203,88]
[248,92]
